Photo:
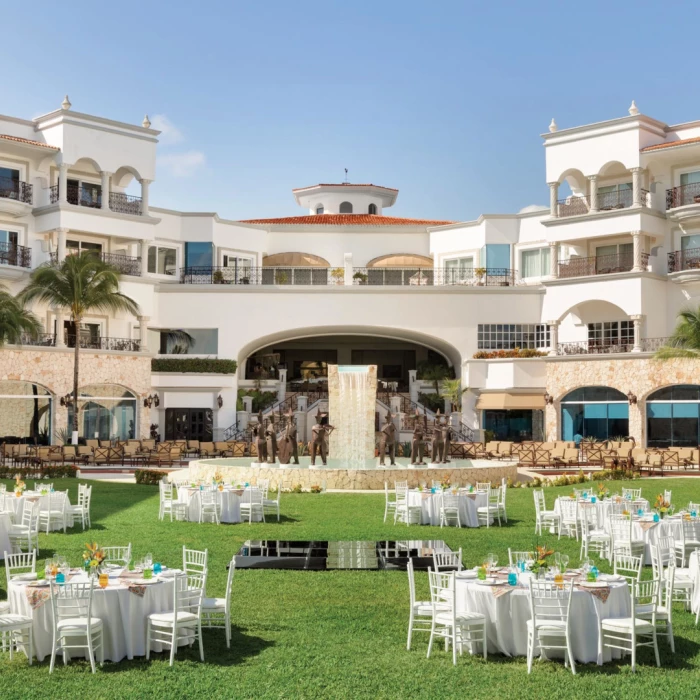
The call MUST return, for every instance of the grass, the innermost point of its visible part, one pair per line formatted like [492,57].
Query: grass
[333,634]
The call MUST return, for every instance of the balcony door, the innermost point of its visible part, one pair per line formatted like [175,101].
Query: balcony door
[614,258]
[9,183]
[189,424]
[77,247]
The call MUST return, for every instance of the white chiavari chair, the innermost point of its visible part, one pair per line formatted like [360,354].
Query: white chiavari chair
[543,517]
[216,612]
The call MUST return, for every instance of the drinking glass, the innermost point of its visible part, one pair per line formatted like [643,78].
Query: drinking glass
[104,580]
[148,572]
[157,568]
[512,578]
[148,560]
[494,561]
[559,579]
[564,562]
[48,568]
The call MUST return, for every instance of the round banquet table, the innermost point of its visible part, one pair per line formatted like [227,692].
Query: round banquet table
[694,569]
[20,503]
[507,611]
[4,535]
[123,613]
[430,506]
[230,500]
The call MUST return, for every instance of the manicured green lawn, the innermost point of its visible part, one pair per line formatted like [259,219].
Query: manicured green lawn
[333,634]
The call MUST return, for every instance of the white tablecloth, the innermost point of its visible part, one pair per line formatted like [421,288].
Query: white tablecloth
[4,535]
[507,616]
[122,612]
[230,504]
[430,506]
[29,497]
[694,568]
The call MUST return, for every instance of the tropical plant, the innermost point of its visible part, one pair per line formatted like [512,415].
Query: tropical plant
[452,390]
[81,284]
[16,321]
[177,341]
[685,340]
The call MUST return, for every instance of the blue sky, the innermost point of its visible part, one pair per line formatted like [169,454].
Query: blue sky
[444,100]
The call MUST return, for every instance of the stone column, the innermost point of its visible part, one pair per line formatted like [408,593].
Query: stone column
[144,196]
[347,264]
[637,242]
[593,190]
[242,418]
[637,175]
[553,259]
[282,388]
[63,183]
[637,319]
[60,337]
[105,189]
[144,258]
[302,404]
[61,244]
[395,404]
[553,196]
[143,331]
[553,336]
[247,404]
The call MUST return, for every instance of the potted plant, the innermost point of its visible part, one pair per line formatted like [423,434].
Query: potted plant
[281,277]
[338,275]
[480,273]
[217,277]
[361,277]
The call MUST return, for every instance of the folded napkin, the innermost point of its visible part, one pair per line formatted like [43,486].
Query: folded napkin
[24,577]
[36,597]
[138,590]
[601,593]
[170,573]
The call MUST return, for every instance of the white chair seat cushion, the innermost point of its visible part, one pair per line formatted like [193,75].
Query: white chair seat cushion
[549,626]
[77,623]
[213,603]
[8,621]
[465,618]
[18,530]
[625,623]
[169,617]
[599,533]
[688,543]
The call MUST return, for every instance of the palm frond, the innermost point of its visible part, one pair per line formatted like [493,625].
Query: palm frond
[685,340]
[16,322]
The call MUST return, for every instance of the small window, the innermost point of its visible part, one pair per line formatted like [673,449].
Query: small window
[161,261]
[372,209]
[320,209]
[346,208]
[535,262]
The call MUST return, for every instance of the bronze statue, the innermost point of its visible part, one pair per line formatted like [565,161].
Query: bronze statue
[271,440]
[436,444]
[418,436]
[288,447]
[387,441]
[318,440]
[260,441]
[446,435]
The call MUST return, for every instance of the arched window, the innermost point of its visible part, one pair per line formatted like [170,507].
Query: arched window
[25,412]
[673,416]
[320,209]
[372,209]
[108,410]
[594,411]
[345,208]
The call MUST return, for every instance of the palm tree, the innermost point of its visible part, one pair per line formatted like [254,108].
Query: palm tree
[452,390]
[80,284]
[16,321]
[685,341]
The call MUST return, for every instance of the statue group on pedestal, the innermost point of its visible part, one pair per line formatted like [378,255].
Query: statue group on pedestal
[439,442]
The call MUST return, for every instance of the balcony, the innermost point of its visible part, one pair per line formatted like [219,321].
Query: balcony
[598,265]
[422,277]
[125,203]
[80,195]
[104,343]
[683,195]
[688,259]
[45,340]
[17,255]
[125,264]
[15,196]
[607,201]
[595,347]
[305,276]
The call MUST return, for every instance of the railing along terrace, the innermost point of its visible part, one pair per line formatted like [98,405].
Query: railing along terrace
[104,343]
[599,265]
[310,276]
[573,206]
[80,195]
[47,340]
[18,255]
[125,203]
[682,195]
[589,347]
[126,264]
[606,201]
[16,189]
[688,259]
[393,276]
[653,344]
[477,277]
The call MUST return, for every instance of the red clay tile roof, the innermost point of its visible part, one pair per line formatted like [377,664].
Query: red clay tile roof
[7,137]
[348,220]
[671,144]
[344,184]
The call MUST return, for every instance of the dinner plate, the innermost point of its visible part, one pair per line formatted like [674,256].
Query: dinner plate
[40,584]
[488,582]
[593,584]
[466,574]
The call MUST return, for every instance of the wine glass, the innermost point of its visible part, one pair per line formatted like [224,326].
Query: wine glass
[148,560]
[563,562]
[494,561]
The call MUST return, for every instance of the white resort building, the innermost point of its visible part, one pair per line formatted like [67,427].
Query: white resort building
[589,287]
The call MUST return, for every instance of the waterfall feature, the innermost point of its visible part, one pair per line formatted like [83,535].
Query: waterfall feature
[352,393]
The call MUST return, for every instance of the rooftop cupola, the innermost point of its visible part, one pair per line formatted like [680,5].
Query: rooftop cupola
[345,198]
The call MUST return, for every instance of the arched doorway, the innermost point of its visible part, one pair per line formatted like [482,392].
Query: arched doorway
[25,412]
[599,412]
[107,412]
[673,416]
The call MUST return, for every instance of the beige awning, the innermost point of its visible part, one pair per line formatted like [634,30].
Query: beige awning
[503,400]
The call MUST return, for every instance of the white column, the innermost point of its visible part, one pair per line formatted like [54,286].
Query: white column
[63,183]
[637,174]
[553,336]
[593,191]
[553,259]
[553,196]
[143,330]
[347,264]
[105,188]
[413,384]
[61,234]
[248,404]
[282,389]
[637,242]
[60,340]
[144,196]
[144,258]
[637,319]
[242,419]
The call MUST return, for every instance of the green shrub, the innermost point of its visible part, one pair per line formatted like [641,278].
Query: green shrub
[261,399]
[149,476]
[193,364]
[54,471]
[508,354]
[432,401]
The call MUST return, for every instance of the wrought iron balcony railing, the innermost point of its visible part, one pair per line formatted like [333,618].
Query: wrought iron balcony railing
[303,276]
[126,264]
[125,203]
[16,189]
[573,206]
[477,277]
[90,196]
[599,265]
[688,259]
[47,340]
[590,347]
[682,195]
[104,343]
[607,201]
[18,255]
[394,276]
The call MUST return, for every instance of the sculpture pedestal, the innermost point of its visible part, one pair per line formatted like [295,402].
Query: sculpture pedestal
[435,465]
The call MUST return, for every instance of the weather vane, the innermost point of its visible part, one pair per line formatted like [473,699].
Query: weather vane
[346,175]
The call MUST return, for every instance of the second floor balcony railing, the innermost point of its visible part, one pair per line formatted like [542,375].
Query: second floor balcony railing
[86,196]
[688,259]
[46,340]
[103,343]
[606,201]
[18,255]
[125,203]
[682,195]
[16,189]
[611,346]
[257,275]
[599,265]
[126,264]
[394,276]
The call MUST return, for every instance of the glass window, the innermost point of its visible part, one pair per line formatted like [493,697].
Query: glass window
[372,209]
[535,263]
[514,426]
[611,333]
[198,254]
[205,342]
[25,412]
[496,255]
[107,411]
[345,208]
[690,178]
[599,412]
[76,247]
[162,261]
[9,238]
[690,242]
[9,183]
[615,196]
[320,210]
[673,417]
[508,336]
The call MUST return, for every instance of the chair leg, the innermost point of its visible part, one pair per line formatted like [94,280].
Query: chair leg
[656,649]
[173,645]
[148,640]
[410,631]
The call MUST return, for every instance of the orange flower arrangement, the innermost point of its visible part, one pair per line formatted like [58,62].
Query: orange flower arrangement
[93,556]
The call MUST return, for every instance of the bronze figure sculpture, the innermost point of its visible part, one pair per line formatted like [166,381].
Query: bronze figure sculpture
[319,442]
[387,441]
[419,427]
[260,441]
[271,440]
[436,444]
[446,435]
[288,447]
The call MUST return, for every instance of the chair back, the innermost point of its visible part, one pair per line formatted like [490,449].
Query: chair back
[632,493]
[628,566]
[620,527]
[442,591]
[483,486]
[264,486]
[548,602]
[645,598]
[253,496]
[448,561]
[411,582]
[166,491]
[538,495]
[568,508]
[494,497]
[188,591]
[449,501]
[208,497]
[117,555]
[71,600]
[662,556]
[20,563]
[689,531]
[229,583]
[194,561]
[39,485]
[514,556]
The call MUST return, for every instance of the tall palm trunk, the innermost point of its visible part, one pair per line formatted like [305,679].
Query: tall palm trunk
[76,373]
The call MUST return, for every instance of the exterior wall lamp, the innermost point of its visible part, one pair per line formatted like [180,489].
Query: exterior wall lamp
[219,401]
[548,399]
[66,400]
[632,398]
[151,401]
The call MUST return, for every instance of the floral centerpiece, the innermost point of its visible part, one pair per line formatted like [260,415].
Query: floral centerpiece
[20,486]
[93,557]
[445,483]
[662,505]
[219,479]
[603,491]
[541,563]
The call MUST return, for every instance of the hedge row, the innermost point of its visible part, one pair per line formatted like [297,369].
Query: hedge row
[193,364]
[149,476]
[47,472]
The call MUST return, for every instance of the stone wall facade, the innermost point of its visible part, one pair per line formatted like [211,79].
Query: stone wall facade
[639,375]
[52,368]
